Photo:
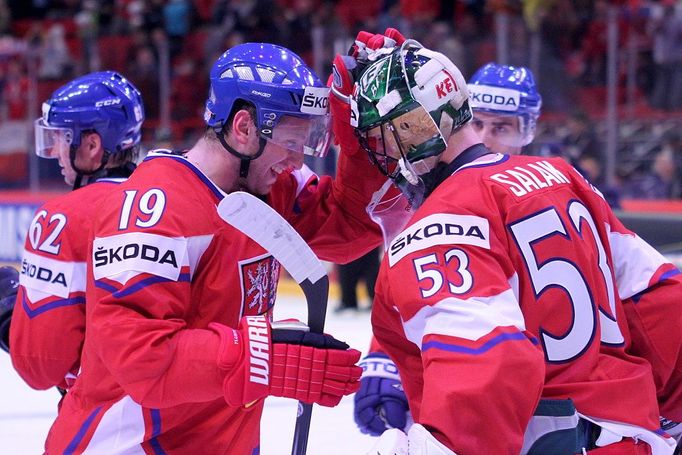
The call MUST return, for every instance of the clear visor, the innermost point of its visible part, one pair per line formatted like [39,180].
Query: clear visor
[308,135]
[389,142]
[51,139]
[499,130]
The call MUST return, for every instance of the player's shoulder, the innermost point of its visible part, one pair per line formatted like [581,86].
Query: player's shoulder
[81,202]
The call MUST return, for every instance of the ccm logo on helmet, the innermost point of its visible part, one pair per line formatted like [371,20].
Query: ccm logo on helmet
[109,102]
[439,229]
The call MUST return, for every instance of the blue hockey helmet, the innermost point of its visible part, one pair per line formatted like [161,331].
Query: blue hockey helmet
[104,102]
[280,85]
[507,90]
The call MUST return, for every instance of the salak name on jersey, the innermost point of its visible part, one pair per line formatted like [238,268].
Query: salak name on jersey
[440,229]
[522,180]
[139,252]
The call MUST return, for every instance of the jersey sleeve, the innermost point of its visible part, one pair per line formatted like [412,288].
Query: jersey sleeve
[141,302]
[483,373]
[330,213]
[651,288]
[48,321]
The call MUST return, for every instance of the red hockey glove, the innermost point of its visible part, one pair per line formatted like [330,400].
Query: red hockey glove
[366,48]
[289,362]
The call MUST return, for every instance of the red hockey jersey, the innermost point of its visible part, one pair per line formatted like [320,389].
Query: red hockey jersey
[164,266]
[48,321]
[502,290]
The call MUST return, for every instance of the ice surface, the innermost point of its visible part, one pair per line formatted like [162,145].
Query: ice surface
[26,414]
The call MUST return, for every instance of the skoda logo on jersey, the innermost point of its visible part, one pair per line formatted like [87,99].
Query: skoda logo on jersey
[42,273]
[47,275]
[138,252]
[495,98]
[143,252]
[440,229]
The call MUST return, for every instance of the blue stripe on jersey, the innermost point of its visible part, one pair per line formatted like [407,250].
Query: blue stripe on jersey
[156,430]
[148,282]
[669,274]
[118,293]
[488,345]
[256,451]
[81,432]
[105,286]
[50,306]
[211,186]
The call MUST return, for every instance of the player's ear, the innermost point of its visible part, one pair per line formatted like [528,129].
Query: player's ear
[92,146]
[242,126]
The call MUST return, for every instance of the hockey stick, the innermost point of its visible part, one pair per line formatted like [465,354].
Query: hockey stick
[266,227]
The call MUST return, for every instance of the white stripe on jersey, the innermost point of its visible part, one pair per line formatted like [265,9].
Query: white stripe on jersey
[470,319]
[120,431]
[302,177]
[196,246]
[635,262]
[43,277]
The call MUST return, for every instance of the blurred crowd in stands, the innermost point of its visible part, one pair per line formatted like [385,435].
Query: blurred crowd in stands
[564,41]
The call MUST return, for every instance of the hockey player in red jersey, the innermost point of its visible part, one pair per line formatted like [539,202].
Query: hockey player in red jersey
[181,350]
[506,106]
[501,298]
[92,126]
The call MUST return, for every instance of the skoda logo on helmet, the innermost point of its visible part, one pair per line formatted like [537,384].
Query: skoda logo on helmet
[494,98]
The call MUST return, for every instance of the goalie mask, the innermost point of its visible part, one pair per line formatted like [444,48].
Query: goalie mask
[406,105]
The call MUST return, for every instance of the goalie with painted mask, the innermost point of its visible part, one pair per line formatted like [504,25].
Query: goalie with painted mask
[496,298]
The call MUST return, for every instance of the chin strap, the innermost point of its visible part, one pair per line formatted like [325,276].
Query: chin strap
[85,177]
[244,160]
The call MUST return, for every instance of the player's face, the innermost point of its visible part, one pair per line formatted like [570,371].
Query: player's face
[286,153]
[84,160]
[500,133]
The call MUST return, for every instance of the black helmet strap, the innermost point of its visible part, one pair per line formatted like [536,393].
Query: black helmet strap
[245,160]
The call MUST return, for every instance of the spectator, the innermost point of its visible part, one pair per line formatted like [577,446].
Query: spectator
[5,17]
[177,20]
[55,60]
[660,182]
[144,73]
[364,268]
[581,139]
[15,90]
[184,102]
[666,29]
